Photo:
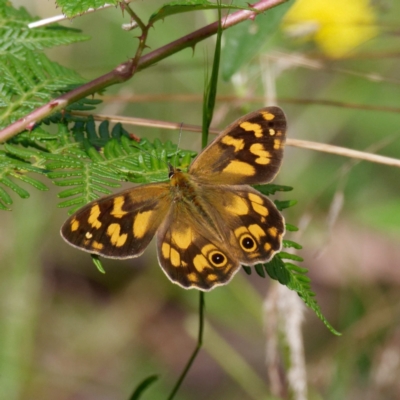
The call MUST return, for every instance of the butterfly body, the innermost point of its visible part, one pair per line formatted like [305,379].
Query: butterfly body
[208,220]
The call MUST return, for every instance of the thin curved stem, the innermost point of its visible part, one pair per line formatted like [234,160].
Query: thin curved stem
[303,144]
[196,350]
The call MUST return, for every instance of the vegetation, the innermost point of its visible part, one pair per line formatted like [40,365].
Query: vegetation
[66,130]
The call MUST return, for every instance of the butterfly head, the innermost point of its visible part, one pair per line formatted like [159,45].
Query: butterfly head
[172,170]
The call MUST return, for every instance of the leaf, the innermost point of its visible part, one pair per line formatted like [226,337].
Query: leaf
[247,269]
[120,159]
[97,263]
[210,92]
[12,169]
[17,39]
[290,243]
[243,41]
[28,84]
[177,7]
[291,228]
[72,8]
[260,270]
[281,205]
[271,188]
[290,256]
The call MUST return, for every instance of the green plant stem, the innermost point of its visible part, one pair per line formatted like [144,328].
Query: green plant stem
[135,17]
[196,350]
[211,89]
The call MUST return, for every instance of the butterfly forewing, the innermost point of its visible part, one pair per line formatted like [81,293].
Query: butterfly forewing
[121,225]
[249,151]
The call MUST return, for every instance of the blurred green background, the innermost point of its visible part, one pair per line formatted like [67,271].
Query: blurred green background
[69,332]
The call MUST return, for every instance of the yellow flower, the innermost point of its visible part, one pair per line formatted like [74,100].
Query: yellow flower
[337,26]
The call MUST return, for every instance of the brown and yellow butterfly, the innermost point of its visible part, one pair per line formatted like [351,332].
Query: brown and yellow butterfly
[208,220]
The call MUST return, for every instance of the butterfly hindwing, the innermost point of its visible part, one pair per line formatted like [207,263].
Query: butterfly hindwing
[191,254]
[249,220]
[202,243]
[249,151]
[119,226]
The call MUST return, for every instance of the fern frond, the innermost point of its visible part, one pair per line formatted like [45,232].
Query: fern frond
[17,39]
[120,159]
[12,169]
[88,162]
[28,84]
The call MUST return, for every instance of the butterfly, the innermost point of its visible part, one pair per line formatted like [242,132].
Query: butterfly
[209,220]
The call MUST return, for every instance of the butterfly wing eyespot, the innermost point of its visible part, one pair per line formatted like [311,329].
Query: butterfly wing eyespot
[247,243]
[217,258]
[248,151]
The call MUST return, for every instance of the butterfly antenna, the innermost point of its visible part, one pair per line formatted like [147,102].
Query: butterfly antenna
[178,145]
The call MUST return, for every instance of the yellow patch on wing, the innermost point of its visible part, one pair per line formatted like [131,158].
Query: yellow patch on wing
[238,144]
[267,116]
[239,231]
[165,250]
[117,211]
[97,246]
[200,262]
[237,206]
[267,246]
[212,277]
[255,198]
[277,144]
[192,277]
[116,238]
[256,128]
[273,231]
[93,218]
[88,235]
[74,225]
[259,209]
[175,258]
[182,238]
[207,248]
[257,204]
[257,231]
[141,223]
[263,155]
[271,132]
[240,168]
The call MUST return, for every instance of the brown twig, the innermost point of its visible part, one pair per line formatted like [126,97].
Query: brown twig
[124,71]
